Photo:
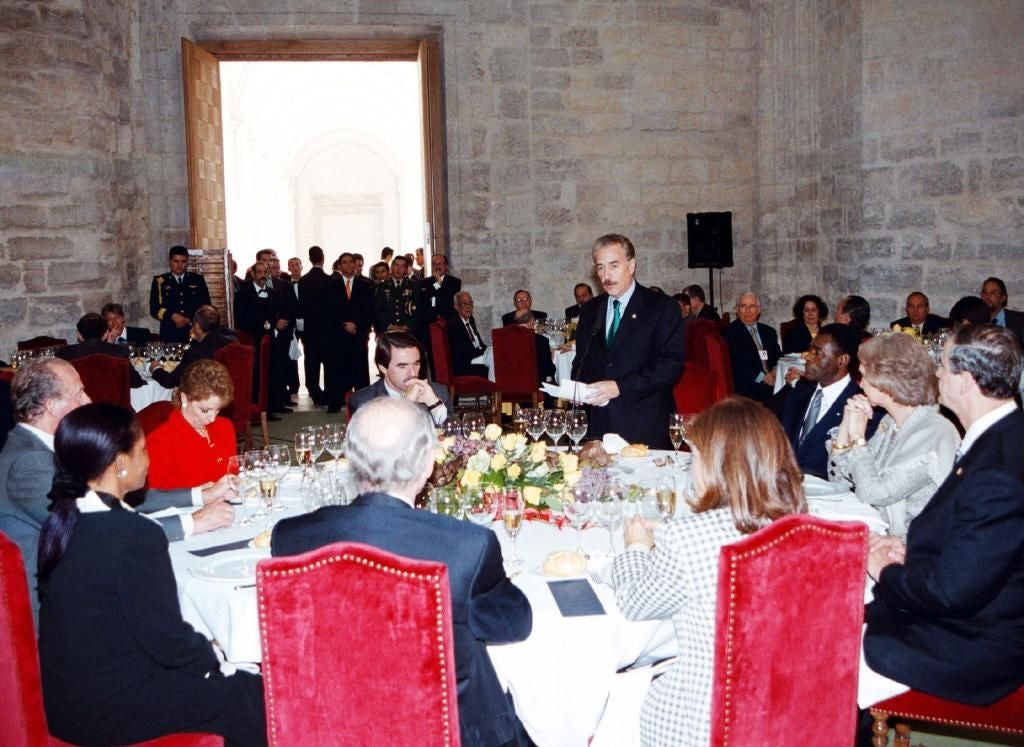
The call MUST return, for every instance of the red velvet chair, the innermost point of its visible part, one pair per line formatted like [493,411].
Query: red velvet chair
[23,723]
[787,633]
[106,378]
[515,364]
[720,362]
[153,416]
[1004,717]
[475,388]
[357,649]
[693,340]
[42,341]
[696,390]
[726,320]
[237,358]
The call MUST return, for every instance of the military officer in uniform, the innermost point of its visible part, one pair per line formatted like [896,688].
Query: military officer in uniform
[396,301]
[175,296]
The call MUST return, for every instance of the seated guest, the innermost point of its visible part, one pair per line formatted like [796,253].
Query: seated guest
[946,615]
[699,307]
[545,364]
[193,445]
[207,336]
[855,311]
[117,332]
[390,448]
[119,664]
[583,293]
[993,293]
[91,330]
[464,339]
[970,310]
[685,308]
[919,316]
[745,478]
[753,350]
[815,405]
[809,313]
[522,299]
[399,358]
[912,451]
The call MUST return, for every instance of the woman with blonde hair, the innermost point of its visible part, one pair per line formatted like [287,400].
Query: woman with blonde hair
[744,477]
[912,452]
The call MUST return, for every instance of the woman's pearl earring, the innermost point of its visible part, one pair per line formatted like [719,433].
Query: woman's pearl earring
[123,473]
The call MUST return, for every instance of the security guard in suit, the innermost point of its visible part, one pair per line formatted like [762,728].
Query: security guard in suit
[175,296]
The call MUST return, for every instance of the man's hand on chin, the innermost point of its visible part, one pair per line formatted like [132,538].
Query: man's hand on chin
[602,392]
[420,391]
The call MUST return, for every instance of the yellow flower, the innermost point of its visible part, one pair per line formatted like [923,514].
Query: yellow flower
[498,461]
[470,479]
[447,443]
[569,462]
[531,494]
[896,328]
[492,432]
[538,451]
[571,477]
[509,442]
[513,471]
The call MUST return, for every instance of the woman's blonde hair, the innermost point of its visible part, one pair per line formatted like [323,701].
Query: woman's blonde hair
[749,465]
[205,378]
[898,365]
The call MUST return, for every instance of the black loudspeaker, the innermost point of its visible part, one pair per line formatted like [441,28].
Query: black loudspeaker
[709,239]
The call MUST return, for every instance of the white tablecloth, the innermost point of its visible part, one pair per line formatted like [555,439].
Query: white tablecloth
[148,394]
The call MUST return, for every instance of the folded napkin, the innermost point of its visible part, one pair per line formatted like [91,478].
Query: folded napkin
[574,391]
[546,515]
[614,443]
[575,598]
[207,551]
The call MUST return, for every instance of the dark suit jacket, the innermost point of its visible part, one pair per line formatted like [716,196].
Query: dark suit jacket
[797,339]
[312,303]
[257,316]
[746,363]
[708,312]
[571,312]
[932,323]
[645,360]
[377,389]
[439,302]
[346,353]
[1015,322]
[947,621]
[98,347]
[486,606]
[510,317]
[136,335]
[463,350]
[198,350]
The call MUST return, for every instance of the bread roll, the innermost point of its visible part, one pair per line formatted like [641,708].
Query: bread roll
[634,450]
[262,539]
[564,563]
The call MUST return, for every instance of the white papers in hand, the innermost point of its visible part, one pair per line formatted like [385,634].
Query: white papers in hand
[574,391]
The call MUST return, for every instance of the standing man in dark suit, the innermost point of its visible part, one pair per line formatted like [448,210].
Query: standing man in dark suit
[582,293]
[313,310]
[919,316]
[401,362]
[993,293]
[259,312]
[465,340]
[753,350]
[947,609]
[117,332]
[207,337]
[390,448]
[815,405]
[91,330]
[283,333]
[629,348]
[175,296]
[348,307]
[438,291]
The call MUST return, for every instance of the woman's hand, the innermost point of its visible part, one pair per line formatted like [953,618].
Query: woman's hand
[856,415]
[884,551]
[637,532]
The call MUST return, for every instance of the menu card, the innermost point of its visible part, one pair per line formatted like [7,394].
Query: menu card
[575,598]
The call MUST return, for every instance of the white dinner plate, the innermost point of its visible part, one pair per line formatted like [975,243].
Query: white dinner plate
[820,490]
[233,566]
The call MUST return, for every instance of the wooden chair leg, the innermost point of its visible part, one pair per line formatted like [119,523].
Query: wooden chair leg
[879,728]
[902,738]
[265,428]
[248,435]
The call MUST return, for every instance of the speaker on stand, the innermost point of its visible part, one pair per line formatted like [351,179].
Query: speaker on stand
[709,244]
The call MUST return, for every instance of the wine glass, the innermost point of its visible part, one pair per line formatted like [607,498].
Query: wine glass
[280,462]
[258,470]
[236,467]
[535,423]
[576,427]
[452,427]
[666,497]
[303,449]
[649,510]
[477,506]
[578,511]
[447,502]
[676,430]
[555,426]
[334,441]
[609,514]
[318,441]
[519,419]
[316,488]
[473,422]
[512,517]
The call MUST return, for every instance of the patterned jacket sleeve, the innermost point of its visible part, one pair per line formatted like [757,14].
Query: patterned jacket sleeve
[653,585]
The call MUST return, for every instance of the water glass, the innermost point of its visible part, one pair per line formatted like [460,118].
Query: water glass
[609,515]
[555,425]
[452,427]
[535,422]
[258,470]
[236,468]
[316,488]
[280,461]
[576,427]
[578,511]
[473,423]
[334,441]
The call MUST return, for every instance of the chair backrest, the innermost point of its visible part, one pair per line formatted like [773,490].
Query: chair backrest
[786,326]
[720,362]
[245,338]
[154,415]
[696,332]
[237,358]
[42,341]
[441,352]
[787,632]
[106,378]
[696,390]
[515,360]
[393,616]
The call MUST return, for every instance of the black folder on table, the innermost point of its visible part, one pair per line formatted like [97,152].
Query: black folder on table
[575,598]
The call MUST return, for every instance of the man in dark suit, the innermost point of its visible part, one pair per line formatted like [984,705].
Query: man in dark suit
[348,307]
[400,361]
[753,350]
[91,330]
[946,615]
[175,295]
[629,348]
[313,311]
[207,337]
[815,405]
[919,316]
[698,306]
[438,291]
[117,332]
[522,299]
[465,340]
[390,448]
[259,311]
[993,293]
[582,293]
[542,346]
[283,334]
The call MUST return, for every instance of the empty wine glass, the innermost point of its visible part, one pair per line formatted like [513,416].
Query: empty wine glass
[512,517]
[576,427]
[676,430]
[334,441]
[259,473]
[555,425]
[609,514]
[316,488]
[473,423]
[477,507]
[280,461]
[318,441]
[535,422]
[236,468]
[578,511]
[452,427]
[446,501]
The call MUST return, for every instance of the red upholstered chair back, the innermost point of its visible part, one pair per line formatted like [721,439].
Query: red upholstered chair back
[694,347]
[787,632]
[1004,717]
[720,362]
[347,616]
[106,378]
[441,352]
[696,390]
[23,723]
[515,361]
[42,341]
[237,358]
[245,338]
[153,416]
[786,326]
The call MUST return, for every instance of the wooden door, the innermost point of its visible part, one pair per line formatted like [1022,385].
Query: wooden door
[434,160]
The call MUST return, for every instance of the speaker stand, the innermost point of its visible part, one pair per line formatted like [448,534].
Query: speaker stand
[711,287]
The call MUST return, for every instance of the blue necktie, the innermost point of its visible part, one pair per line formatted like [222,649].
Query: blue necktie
[616,318]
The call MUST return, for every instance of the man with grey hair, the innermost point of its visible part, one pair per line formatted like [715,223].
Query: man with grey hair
[44,391]
[390,448]
[947,606]
[753,350]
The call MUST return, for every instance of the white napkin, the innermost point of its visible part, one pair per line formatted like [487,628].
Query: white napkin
[614,443]
[574,391]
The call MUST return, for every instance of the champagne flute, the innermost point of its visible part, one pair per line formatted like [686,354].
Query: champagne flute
[334,441]
[236,467]
[578,511]
[473,422]
[512,518]
[609,514]
[555,426]
[303,449]
[576,427]
[535,423]
[676,429]
[268,479]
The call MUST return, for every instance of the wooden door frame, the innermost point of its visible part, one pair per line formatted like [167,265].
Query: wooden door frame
[425,49]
